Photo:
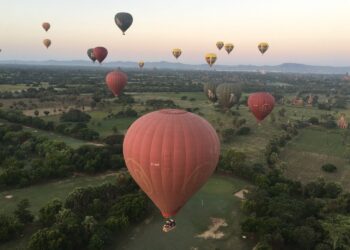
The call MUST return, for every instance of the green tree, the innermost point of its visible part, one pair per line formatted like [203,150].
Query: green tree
[47,214]
[22,212]
[338,229]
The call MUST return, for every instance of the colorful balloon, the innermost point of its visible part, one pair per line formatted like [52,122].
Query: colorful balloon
[219,45]
[123,20]
[46,26]
[261,104]
[263,47]
[177,53]
[229,47]
[210,58]
[141,64]
[100,53]
[90,53]
[210,91]
[47,43]
[228,94]
[116,81]
[171,154]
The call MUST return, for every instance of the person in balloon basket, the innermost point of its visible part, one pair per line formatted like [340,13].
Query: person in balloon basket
[169,225]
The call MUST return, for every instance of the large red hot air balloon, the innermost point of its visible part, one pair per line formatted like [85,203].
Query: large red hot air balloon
[116,81]
[171,153]
[100,53]
[261,104]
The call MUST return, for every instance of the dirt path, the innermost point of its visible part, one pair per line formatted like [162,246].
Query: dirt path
[240,194]
[213,230]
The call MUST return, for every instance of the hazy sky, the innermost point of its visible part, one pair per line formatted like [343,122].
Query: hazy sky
[302,31]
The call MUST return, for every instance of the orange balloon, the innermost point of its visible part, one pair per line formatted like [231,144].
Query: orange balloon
[171,154]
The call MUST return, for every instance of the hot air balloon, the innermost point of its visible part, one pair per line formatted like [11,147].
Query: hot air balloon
[123,20]
[90,53]
[263,47]
[342,122]
[261,104]
[141,64]
[46,26]
[210,58]
[116,81]
[100,53]
[177,53]
[229,47]
[228,94]
[210,91]
[47,43]
[219,45]
[171,153]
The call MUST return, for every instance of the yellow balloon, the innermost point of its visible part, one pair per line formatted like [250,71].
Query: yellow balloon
[263,47]
[177,53]
[220,44]
[210,58]
[141,64]
[229,47]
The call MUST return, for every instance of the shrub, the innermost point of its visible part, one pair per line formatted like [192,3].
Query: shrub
[314,121]
[330,168]
[243,131]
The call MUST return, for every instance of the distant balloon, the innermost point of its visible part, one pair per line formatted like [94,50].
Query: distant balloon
[90,53]
[171,154]
[210,58]
[46,26]
[116,81]
[210,91]
[141,64]
[261,104]
[177,53]
[47,43]
[123,20]
[219,45]
[228,94]
[263,47]
[229,47]
[100,53]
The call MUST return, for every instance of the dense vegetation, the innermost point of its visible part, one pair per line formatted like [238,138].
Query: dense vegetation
[26,159]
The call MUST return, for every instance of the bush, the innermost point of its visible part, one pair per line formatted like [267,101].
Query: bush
[314,120]
[243,131]
[227,135]
[75,115]
[330,168]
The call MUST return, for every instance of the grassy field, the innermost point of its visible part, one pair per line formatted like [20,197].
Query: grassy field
[312,148]
[39,195]
[18,87]
[194,219]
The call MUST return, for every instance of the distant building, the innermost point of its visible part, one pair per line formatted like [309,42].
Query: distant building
[297,101]
[346,77]
[342,122]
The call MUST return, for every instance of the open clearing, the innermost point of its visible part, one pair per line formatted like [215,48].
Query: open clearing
[313,148]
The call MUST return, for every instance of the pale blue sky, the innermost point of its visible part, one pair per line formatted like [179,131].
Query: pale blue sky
[303,31]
